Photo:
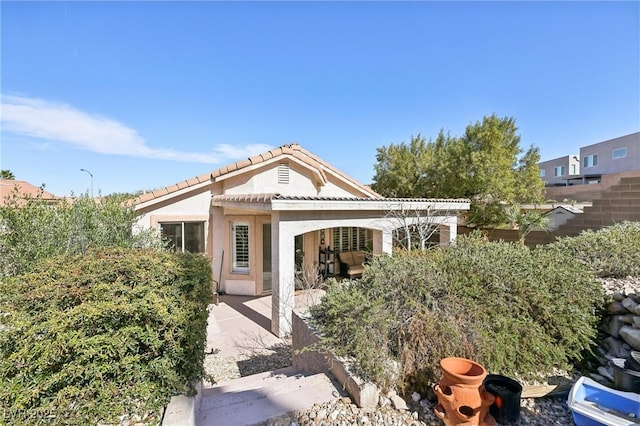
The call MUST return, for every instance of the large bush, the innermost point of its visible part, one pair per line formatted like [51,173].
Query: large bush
[32,229]
[610,252]
[513,309]
[87,338]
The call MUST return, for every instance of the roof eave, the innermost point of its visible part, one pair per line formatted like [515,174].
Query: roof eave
[371,205]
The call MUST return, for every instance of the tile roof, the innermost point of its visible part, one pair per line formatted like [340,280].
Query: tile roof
[270,197]
[24,189]
[294,150]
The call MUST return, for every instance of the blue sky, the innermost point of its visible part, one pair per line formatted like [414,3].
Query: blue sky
[147,94]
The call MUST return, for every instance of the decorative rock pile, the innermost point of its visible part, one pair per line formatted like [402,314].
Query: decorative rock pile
[621,327]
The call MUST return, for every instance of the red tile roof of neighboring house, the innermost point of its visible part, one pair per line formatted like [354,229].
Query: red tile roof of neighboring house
[23,190]
[294,150]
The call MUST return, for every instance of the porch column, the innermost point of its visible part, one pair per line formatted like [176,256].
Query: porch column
[216,238]
[387,241]
[283,275]
[448,231]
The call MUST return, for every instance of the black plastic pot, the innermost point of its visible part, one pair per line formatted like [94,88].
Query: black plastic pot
[506,408]
[625,379]
[633,361]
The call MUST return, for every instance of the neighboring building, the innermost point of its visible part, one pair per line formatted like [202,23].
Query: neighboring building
[559,171]
[22,190]
[261,219]
[609,157]
[613,156]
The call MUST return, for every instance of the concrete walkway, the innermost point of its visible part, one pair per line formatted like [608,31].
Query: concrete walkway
[241,324]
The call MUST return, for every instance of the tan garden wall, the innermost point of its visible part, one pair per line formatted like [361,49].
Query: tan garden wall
[587,192]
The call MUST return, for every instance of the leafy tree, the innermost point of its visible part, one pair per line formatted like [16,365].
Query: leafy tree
[32,229]
[401,169]
[6,174]
[531,186]
[484,165]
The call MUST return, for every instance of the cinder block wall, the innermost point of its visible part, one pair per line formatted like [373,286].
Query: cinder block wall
[587,192]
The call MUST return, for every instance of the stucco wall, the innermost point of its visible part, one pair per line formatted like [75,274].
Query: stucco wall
[302,181]
[604,150]
[188,205]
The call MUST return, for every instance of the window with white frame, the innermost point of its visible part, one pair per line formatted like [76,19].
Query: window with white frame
[619,153]
[351,238]
[542,172]
[558,171]
[590,160]
[184,236]
[240,247]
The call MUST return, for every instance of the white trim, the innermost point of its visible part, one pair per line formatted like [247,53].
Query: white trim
[240,270]
[613,153]
[373,205]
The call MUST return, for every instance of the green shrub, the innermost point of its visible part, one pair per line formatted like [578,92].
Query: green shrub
[513,309]
[90,338]
[32,229]
[610,252]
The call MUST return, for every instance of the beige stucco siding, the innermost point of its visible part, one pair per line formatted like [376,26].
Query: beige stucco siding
[193,207]
[302,182]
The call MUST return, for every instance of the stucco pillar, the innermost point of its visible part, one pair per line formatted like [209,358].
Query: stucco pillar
[283,275]
[387,241]
[448,231]
[216,240]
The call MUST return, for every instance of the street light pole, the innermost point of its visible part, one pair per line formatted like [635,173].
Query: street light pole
[91,175]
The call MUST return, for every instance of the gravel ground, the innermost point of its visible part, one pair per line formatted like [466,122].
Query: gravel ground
[254,361]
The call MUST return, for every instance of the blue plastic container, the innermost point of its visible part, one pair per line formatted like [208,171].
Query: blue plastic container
[593,404]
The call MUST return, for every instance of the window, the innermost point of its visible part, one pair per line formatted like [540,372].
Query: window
[574,169]
[590,160]
[184,236]
[558,171]
[240,247]
[619,153]
[351,238]
[542,172]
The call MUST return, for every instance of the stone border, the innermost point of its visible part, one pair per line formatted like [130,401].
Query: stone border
[364,394]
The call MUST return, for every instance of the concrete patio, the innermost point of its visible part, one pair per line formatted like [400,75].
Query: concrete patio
[237,326]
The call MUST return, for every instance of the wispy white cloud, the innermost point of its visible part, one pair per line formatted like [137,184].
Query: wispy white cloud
[65,124]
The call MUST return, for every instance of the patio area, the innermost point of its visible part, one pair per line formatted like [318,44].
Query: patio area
[239,338]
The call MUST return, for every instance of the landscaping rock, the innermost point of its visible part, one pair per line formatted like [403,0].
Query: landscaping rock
[631,336]
[616,307]
[628,319]
[612,325]
[398,403]
[629,304]
[613,346]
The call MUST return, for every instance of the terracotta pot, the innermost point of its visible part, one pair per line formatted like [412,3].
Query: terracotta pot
[462,400]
